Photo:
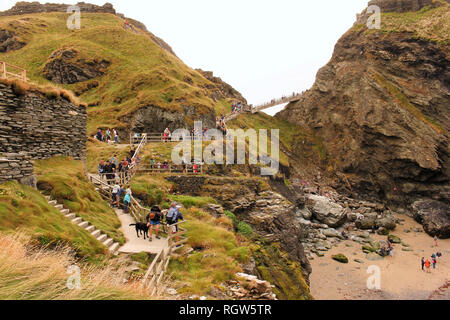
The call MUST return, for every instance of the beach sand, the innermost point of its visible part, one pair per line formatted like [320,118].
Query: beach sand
[401,275]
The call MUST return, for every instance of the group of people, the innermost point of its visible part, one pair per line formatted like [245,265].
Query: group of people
[110,169]
[236,108]
[427,263]
[108,136]
[121,195]
[221,125]
[156,217]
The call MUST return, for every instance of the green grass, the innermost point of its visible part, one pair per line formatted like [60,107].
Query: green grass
[217,256]
[141,73]
[190,201]
[429,23]
[26,210]
[63,178]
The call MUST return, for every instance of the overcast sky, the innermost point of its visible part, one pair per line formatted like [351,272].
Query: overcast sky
[263,48]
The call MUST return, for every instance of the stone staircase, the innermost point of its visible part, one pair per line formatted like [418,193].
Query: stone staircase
[109,243]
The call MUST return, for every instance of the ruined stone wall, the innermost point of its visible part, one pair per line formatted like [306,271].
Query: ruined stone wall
[41,127]
[17,166]
[36,7]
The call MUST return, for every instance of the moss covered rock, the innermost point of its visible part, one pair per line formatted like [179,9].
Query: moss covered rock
[340,258]
[394,239]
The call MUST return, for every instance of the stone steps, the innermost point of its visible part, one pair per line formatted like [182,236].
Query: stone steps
[109,243]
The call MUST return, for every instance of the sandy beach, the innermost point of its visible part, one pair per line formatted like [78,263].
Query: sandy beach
[401,275]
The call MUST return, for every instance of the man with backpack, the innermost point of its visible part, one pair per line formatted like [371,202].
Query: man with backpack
[154,219]
[172,217]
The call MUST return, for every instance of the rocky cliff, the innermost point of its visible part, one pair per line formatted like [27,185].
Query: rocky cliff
[381,105]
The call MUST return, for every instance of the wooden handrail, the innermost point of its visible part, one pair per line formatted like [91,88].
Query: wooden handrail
[7,74]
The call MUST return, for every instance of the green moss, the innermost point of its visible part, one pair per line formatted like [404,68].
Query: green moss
[340,258]
[274,266]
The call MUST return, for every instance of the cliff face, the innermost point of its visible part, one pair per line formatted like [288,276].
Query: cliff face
[382,107]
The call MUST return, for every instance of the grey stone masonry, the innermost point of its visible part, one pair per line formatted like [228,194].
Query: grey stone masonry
[17,166]
[41,127]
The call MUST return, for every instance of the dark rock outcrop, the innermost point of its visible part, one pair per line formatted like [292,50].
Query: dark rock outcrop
[9,41]
[271,216]
[153,119]
[65,68]
[434,216]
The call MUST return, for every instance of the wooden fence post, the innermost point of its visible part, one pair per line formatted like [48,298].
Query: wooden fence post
[3,70]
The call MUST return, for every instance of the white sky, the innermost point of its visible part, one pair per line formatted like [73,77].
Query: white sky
[264,49]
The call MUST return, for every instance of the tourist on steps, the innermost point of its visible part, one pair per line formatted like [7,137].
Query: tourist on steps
[423,264]
[115,196]
[126,202]
[154,219]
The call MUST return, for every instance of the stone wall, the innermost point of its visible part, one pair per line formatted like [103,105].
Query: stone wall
[41,127]
[17,166]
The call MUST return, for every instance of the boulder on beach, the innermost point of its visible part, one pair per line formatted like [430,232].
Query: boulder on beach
[326,211]
[434,216]
[394,239]
[340,258]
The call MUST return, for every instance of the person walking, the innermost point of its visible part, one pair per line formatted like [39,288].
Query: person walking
[126,203]
[115,196]
[435,241]
[427,266]
[154,219]
[423,264]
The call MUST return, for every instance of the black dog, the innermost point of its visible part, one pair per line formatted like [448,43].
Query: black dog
[141,227]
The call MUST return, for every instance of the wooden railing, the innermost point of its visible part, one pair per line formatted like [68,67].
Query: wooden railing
[155,273]
[275,102]
[157,137]
[6,73]
[171,168]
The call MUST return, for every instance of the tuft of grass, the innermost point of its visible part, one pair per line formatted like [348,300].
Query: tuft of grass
[245,229]
[64,179]
[30,272]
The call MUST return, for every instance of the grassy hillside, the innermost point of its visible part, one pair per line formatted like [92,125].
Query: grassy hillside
[64,179]
[140,74]
[430,23]
[25,210]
